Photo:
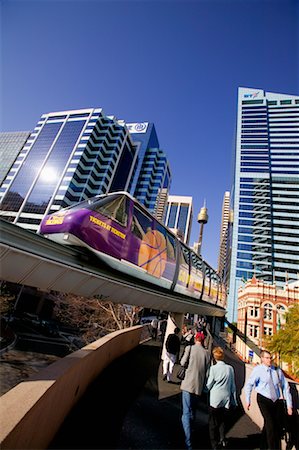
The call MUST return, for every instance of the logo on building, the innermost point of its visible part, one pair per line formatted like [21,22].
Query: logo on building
[139,127]
[252,95]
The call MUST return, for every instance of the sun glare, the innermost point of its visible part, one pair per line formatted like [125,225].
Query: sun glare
[48,175]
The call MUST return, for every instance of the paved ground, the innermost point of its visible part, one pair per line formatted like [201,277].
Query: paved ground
[129,406]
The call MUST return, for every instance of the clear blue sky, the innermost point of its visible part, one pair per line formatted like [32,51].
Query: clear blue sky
[175,63]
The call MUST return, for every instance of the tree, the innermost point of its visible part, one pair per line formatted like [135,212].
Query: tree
[94,317]
[7,299]
[285,341]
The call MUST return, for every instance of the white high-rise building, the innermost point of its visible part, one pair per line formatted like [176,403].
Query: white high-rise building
[179,216]
[224,237]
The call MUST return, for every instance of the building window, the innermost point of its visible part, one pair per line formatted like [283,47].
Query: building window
[268,331]
[268,311]
[172,215]
[253,311]
[253,331]
[251,102]
[281,311]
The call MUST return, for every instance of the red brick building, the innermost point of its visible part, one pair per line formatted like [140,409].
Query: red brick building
[262,307]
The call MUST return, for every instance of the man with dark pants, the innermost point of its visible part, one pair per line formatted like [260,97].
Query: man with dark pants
[268,381]
[197,360]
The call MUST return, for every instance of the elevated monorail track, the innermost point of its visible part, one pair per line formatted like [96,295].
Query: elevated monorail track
[29,259]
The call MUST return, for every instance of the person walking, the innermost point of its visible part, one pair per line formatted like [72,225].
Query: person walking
[222,387]
[154,328]
[162,324]
[172,346]
[188,337]
[198,361]
[267,380]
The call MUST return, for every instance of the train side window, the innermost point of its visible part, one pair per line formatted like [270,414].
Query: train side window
[171,246]
[115,208]
[170,242]
[140,223]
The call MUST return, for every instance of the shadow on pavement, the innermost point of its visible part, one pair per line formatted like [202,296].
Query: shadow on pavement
[129,406]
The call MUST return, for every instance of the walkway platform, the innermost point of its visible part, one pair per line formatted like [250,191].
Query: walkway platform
[129,406]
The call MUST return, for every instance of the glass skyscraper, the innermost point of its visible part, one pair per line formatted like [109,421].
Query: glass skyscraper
[11,143]
[70,156]
[265,194]
[152,178]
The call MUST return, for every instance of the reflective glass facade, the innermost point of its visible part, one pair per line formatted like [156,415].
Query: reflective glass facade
[151,179]
[70,156]
[11,143]
[265,233]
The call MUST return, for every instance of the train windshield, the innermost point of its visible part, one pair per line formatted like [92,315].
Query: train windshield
[81,205]
[114,206]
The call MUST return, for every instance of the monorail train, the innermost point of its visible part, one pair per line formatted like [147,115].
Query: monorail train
[122,233]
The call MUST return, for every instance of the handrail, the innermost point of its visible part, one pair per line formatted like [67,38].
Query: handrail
[244,338]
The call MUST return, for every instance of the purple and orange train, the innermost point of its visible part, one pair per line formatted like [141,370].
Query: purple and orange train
[122,233]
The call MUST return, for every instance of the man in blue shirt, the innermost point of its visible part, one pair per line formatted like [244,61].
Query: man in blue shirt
[269,384]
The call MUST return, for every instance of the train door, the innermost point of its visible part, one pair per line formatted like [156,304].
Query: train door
[215,285]
[112,221]
[141,243]
[184,267]
[207,281]
[165,246]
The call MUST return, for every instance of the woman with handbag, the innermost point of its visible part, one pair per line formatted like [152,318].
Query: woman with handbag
[222,387]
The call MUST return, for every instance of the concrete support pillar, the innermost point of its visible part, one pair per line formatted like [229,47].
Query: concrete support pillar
[178,319]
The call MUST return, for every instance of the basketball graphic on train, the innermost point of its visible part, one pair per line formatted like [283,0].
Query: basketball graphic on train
[153,253]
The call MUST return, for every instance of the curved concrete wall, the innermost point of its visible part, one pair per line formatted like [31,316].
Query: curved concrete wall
[32,412]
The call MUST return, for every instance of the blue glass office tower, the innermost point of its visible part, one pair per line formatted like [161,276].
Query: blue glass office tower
[70,156]
[152,178]
[265,239]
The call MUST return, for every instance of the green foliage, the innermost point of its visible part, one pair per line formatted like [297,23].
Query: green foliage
[7,299]
[285,341]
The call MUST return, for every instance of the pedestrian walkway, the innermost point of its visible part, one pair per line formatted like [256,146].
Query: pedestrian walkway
[129,406]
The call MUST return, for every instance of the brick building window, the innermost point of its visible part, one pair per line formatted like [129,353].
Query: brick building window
[268,311]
